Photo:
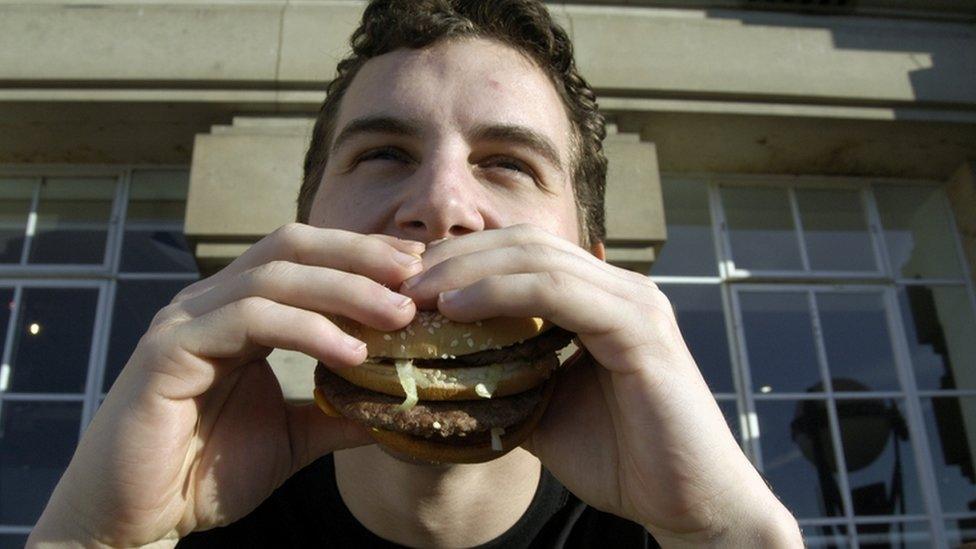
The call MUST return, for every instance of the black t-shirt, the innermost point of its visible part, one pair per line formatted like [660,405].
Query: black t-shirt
[307,511]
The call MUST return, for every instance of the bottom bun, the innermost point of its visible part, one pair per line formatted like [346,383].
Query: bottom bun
[433,451]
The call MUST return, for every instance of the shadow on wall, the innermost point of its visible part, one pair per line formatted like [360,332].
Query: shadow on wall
[945,61]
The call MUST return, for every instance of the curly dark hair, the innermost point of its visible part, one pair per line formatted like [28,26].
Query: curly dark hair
[524,25]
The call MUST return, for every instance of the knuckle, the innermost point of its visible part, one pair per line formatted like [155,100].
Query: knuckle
[253,307]
[558,282]
[168,315]
[290,236]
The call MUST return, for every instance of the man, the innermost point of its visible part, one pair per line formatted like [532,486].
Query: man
[457,165]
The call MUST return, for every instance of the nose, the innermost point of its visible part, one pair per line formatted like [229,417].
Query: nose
[443,200]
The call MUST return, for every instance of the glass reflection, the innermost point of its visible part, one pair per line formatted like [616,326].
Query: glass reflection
[918,232]
[13,541]
[939,327]
[36,443]
[950,424]
[962,531]
[835,230]
[15,203]
[831,536]
[136,303]
[698,308]
[53,340]
[690,249]
[154,239]
[761,229]
[72,220]
[731,412]
[806,485]
[880,463]
[856,338]
[6,309]
[907,535]
[779,341]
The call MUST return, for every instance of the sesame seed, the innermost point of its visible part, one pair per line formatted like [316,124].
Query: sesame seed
[387,337]
[403,335]
[430,330]
[454,343]
[466,335]
[437,425]
[470,342]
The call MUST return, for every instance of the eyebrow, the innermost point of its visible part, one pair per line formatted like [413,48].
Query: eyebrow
[377,124]
[504,133]
[522,136]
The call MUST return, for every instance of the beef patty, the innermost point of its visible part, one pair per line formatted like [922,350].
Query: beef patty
[453,418]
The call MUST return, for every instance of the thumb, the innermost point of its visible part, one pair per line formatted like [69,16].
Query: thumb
[314,434]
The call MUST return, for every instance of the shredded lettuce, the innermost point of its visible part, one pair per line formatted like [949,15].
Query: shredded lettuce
[408,380]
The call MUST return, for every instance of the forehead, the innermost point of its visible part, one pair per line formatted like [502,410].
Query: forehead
[457,84]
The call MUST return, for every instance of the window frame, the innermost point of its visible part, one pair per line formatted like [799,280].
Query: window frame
[733,280]
[104,277]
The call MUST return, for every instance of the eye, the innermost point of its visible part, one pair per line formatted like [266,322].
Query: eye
[511,164]
[383,153]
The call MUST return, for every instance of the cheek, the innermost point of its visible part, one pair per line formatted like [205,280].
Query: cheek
[339,209]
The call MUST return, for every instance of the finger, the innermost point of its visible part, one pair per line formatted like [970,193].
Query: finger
[463,270]
[411,247]
[246,330]
[347,251]
[556,296]
[312,288]
[499,238]
[314,434]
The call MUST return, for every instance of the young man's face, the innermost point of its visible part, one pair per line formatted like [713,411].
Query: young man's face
[459,137]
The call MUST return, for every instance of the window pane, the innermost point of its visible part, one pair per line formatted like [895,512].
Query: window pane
[731,412]
[855,334]
[154,240]
[917,231]
[690,250]
[961,531]
[53,340]
[826,536]
[797,453]
[15,202]
[907,535]
[761,229]
[835,230]
[950,424]
[13,541]
[136,303]
[6,309]
[72,220]
[36,443]
[878,454]
[702,322]
[939,328]
[779,341]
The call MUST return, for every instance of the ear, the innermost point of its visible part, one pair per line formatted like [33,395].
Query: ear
[599,250]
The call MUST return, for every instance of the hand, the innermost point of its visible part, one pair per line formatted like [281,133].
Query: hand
[194,433]
[634,431]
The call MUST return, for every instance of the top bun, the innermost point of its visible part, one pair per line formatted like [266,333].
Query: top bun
[432,335]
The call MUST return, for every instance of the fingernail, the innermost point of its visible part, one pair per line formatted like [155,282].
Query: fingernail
[419,246]
[353,343]
[401,301]
[448,295]
[407,260]
[410,282]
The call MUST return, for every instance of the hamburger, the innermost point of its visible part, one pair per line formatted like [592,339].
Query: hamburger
[441,391]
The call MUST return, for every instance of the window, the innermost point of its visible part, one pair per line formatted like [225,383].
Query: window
[834,322]
[87,256]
